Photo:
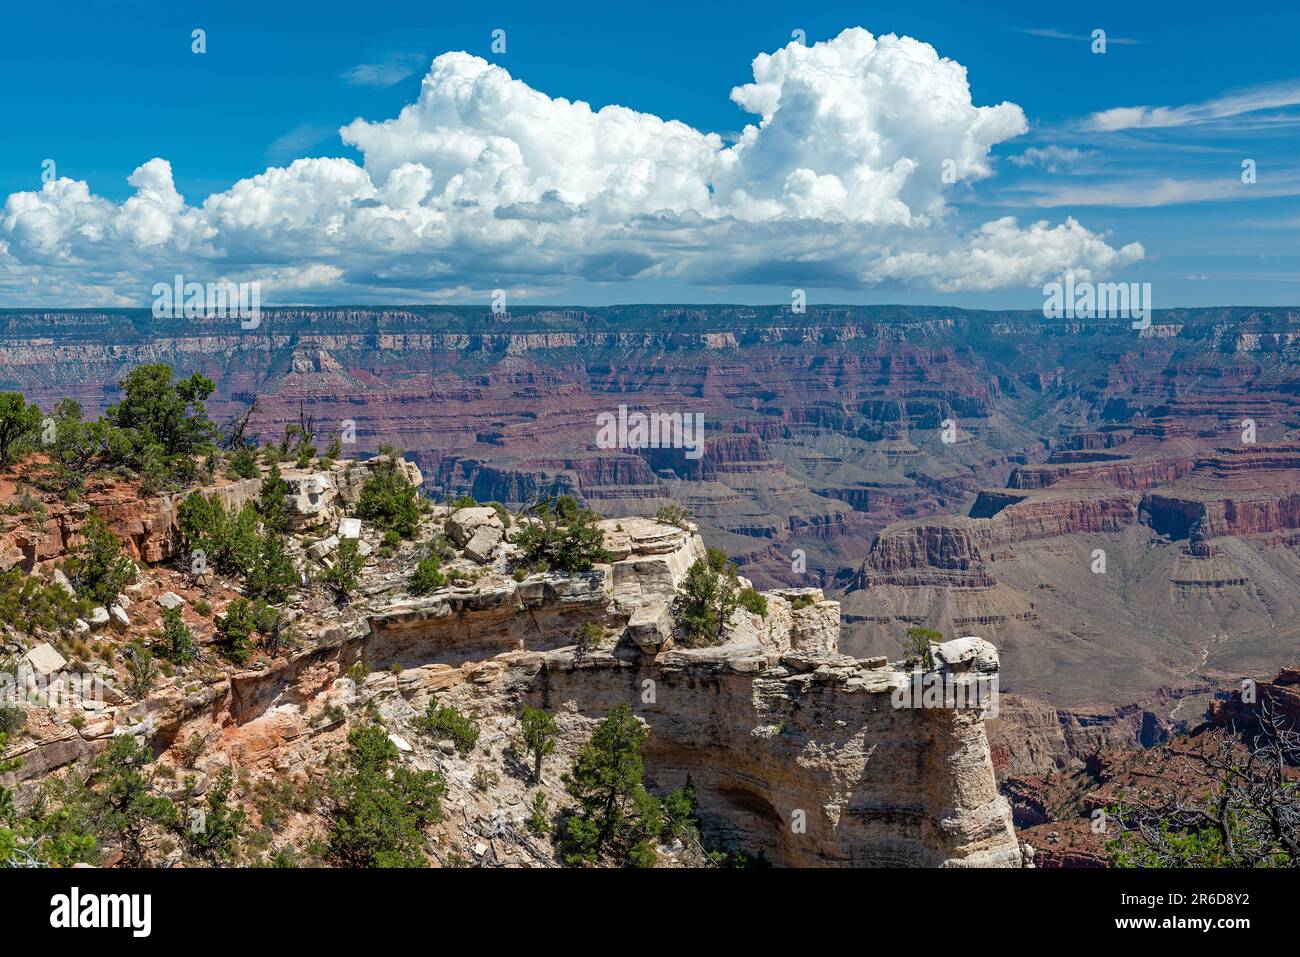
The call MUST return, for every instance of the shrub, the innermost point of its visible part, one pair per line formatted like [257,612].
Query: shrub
[12,720]
[674,514]
[76,445]
[587,637]
[244,619]
[97,569]
[537,822]
[388,500]
[19,423]
[28,604]
[564,538]
[428,576]
[220,826]
[442,547]
[613,812]
[345,574]
[122,804]
[229,542]
[243,463]
[753,602]
[381,808]
[448,724]
[273,500]
[143,671]
[709,596]
[176,641]
[916,645]
[539,732]
[272,575]
[171,414]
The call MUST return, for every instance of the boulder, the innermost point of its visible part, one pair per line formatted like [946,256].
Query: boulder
[816,627]
[45,660]
[323,547]
[641,536]
[412,471]
[350,528]
[965,654]
[169,600]
[465,522]
[651,628]
[118,618]
[311,498]
[60,579]
[98,618]
[484,542]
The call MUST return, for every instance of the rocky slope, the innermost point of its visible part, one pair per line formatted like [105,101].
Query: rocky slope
[1061,813]
[795,751]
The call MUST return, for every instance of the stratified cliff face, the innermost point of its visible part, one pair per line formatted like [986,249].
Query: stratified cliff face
[1148,580]
[146,524]
[821,429]
[1172,451]
[794,751]
[808,761]
[1278,696]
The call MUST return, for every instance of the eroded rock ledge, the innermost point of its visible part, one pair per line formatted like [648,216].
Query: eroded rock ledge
[795,751]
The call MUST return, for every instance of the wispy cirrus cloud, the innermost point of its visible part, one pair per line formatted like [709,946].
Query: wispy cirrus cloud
[1052,34]
[297,141]
[1274,96]
[1142,193]
[389,71]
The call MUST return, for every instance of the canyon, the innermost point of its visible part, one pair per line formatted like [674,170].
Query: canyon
[966,471]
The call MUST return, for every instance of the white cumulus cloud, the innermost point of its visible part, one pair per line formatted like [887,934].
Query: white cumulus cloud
[846,177]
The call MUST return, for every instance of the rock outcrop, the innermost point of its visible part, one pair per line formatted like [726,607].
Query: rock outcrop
[795,751]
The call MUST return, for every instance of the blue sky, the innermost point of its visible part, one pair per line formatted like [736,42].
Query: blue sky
[103,88]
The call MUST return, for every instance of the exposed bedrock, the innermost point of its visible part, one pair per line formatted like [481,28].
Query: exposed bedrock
[876,785]
[795,751]
[1111,474]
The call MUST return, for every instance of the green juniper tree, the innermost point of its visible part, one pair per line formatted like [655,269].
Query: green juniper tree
[176,642]
[916,645]
[613,813]
[381,808]
[562,537]
[710,595]
[539,732]
[97,568]
[19,424]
